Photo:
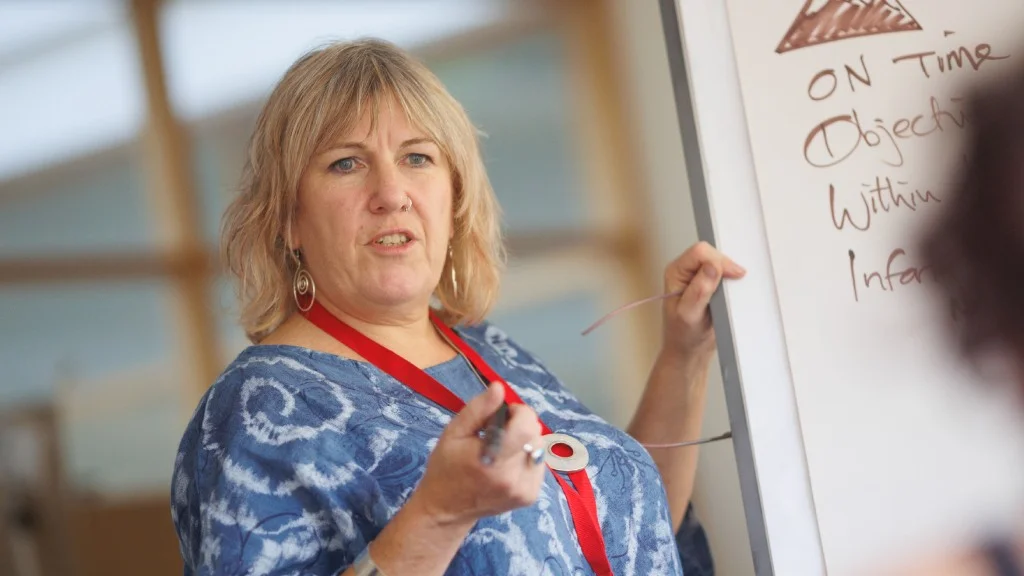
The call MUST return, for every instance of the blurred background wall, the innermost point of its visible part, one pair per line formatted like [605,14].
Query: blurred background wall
[123,126]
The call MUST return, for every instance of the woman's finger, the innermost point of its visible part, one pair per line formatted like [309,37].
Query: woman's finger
[523,427]
[687,267]
[732,270]
[692,305]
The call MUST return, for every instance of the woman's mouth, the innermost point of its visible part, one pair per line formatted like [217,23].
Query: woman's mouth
[395,239]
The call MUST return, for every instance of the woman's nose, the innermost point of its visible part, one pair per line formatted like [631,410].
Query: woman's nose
[387,195]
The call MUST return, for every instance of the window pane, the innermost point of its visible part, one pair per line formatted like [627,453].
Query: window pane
[70,83]
[100,204]
[225,308]
[517,95]
[28,25]
[201,40]
[218,155]
[104,354]
[84,331]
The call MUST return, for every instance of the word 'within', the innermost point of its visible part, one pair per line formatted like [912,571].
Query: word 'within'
[880,197]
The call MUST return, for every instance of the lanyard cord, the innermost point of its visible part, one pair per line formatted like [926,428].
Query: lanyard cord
[579,496]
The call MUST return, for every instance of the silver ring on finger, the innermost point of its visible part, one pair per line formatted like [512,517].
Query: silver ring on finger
[536,454]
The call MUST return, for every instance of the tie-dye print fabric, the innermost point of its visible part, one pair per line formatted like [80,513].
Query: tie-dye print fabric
[295,460]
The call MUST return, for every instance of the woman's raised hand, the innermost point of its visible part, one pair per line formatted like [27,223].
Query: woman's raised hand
[696,273]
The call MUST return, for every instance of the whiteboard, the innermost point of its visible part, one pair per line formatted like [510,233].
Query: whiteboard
[824,133]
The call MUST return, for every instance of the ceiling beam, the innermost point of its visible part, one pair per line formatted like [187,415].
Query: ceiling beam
[176,212]
[127,266]
[118,267]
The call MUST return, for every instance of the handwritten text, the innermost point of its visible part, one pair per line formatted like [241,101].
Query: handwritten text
[879,198]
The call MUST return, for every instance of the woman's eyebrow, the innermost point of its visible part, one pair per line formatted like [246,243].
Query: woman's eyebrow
[334,148]
[415,141]
[363,147]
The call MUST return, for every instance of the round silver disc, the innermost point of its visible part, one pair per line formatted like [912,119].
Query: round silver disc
[576,461]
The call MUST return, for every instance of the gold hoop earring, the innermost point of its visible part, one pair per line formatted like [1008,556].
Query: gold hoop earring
[303,285]
[451,265]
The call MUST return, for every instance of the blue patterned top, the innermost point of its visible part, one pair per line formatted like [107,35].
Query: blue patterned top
[296,459]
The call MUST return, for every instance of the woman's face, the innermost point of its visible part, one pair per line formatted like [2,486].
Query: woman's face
[366,253]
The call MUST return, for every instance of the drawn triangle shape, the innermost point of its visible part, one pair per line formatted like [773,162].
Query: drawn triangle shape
[824,21]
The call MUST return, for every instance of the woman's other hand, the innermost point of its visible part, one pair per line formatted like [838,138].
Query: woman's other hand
[458,488]
[687,319]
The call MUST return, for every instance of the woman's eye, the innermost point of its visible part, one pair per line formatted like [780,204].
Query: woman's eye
[418,159]
[344,165]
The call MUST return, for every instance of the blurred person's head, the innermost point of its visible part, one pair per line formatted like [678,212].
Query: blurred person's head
[976,247]
[356,140]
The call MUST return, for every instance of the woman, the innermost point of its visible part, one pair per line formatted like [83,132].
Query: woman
[975,249]
[367,249]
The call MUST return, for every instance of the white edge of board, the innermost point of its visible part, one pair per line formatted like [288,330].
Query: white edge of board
[762,406]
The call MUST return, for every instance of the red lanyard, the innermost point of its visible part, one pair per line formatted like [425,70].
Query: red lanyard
[582,504]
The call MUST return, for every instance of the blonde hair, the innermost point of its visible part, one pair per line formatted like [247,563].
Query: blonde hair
[324,94]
